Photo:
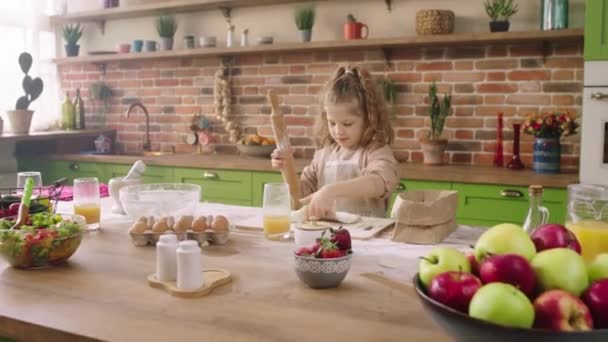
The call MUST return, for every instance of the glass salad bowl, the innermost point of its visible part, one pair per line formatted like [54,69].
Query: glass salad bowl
[160,199]
[44,241]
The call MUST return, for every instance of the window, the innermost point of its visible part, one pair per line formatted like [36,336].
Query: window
[24,26]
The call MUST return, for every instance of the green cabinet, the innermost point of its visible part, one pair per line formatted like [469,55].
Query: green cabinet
[153,174]
[220,186]
[596,30]
[258,179]
[53,170]
[405,185]
[487,205]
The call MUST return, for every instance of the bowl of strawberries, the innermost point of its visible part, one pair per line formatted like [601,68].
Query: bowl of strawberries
[326,263]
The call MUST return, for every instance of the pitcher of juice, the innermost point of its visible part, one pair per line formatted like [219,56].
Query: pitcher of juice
[277,211]
[587,218]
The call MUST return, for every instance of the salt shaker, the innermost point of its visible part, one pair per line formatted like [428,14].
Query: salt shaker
[230,37]
[189,266]
[166,257]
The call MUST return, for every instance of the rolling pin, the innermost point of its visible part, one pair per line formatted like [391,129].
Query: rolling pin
[290,175]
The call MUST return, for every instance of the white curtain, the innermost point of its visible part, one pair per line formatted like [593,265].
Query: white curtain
[25,26]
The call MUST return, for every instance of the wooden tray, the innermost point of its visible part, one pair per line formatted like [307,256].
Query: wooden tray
[213,278]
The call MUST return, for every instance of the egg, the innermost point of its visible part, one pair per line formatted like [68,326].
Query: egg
[160,226]
[142,219]
[200,224]
[138,228]
[183,224]
[220,224]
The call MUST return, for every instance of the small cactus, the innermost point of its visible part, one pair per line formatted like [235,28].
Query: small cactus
[350,18]
[32,87]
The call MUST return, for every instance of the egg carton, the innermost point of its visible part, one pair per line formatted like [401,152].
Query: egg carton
[147,230]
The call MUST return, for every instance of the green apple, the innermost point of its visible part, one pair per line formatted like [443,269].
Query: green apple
[598,268]
[505,238]
[561,268]
[503,304]
[439,260]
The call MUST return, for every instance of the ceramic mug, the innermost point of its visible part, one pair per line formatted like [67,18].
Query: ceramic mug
[150,46]
[305,234]
[138,44]
[354,30]
[209,41]
[124,48]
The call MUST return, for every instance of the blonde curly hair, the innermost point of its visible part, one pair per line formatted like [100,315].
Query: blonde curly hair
[350,85]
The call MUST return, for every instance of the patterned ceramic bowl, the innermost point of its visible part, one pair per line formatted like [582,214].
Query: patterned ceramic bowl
[322,273]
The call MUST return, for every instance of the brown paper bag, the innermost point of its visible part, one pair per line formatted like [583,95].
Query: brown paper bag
[424,216]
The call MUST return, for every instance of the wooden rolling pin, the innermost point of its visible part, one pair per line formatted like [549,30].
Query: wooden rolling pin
[290,175]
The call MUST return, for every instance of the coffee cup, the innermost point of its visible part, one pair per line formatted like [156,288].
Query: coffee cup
[138,44]
[150,46]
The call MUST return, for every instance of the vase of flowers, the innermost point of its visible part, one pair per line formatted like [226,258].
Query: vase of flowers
[548,129]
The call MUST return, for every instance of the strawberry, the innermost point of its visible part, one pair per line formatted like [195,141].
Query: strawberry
[304,251]
[329,250]
[341,237]
[316,246]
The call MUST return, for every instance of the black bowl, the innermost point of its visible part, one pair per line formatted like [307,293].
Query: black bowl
[463,327]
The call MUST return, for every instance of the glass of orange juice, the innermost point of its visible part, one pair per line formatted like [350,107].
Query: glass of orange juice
[87,201]
[588,218]
[277,211]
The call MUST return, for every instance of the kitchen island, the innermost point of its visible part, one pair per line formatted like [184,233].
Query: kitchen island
[102,294]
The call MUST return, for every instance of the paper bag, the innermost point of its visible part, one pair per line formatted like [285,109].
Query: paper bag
[424,216]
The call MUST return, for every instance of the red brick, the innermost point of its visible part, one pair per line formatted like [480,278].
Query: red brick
[529,87]
[562,100]
[405,66]
[463,134]
[526,50]
[325,68]
[409,122]
[462,158]
[464,110]
[296,58]
[483,158]
[416,156]
[350,56]
[247,71]
[497,51]
[251,59]
[463,76]
[466,99]
[494,99]
[187,91]
[148,74]
[497,88]
[496,76]
[187,72]
[273,70]
[564,62]
[166,82]
[493,110]
[529,75]
[463,65]
[297,69]
[568,49]
[518,99]
[405,133]
[405,54]
[460,122]
[496,64]
[406,77]
[562,75]
[433,66]
[130,84]
[433,77]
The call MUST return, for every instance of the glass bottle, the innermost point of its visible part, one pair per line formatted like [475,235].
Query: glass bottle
[537,214]
[67,113]
[78,111]
[554,14]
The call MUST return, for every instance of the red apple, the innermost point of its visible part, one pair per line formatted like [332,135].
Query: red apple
[551,235]
[512,269]
[560,310]
[454,289]
[596,298]
[473,261]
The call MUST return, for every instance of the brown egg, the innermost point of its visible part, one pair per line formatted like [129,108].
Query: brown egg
[138,228]
[183,224]
[142,219]
[200,224]
[160,226]
[220,224]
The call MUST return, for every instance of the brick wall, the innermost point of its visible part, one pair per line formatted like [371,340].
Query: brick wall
[513,79]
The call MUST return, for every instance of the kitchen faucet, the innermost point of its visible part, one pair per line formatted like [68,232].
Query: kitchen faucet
[147,144]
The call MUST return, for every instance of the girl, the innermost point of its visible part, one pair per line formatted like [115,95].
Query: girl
[354,170]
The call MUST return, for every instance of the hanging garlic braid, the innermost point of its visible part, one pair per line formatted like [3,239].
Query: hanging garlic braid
[356,86]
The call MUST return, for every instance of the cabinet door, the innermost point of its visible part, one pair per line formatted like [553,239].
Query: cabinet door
[153,174]
[488,205]
[74,169]
[596,30]
[405,185]
[258,180]
[219,186]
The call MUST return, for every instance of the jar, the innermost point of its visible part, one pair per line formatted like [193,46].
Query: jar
[305,234]
[587,218]
[554,14]
[189,266]
[166,264]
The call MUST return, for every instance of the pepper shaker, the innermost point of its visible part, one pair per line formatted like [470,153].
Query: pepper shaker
[166,257]
[189,266]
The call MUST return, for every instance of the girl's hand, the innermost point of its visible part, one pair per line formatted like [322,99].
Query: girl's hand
[277,159]
[320,205]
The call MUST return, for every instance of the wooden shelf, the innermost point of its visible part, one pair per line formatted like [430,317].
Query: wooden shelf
[542,37]
[182,6]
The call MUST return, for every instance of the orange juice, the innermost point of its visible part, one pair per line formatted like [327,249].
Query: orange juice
[90,212]
[592,235]
[276,226]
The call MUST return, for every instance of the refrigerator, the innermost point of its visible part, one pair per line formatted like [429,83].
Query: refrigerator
[594,124]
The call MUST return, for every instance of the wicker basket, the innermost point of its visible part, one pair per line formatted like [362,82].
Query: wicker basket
[434,22]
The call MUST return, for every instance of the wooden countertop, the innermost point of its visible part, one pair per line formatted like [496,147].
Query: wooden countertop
[102,294]
[408,171]
[50,135]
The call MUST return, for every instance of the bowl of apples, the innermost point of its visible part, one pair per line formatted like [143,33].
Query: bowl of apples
[515,286]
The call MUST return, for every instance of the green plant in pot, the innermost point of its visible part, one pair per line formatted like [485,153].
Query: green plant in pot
[433,145]
[305,20]
[71,35]
[166,26]
[499,12]
[21,118]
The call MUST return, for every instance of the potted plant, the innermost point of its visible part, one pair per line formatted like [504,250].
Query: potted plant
[305,20]
[353,29]
[500,11]
[166,27]
[71,35]
[547,130]
[21,118]
[433,146]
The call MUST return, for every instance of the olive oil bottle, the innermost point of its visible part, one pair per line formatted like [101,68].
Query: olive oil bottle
[78,111]
[67,113]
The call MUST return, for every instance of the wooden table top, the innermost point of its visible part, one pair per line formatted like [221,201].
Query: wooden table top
[102,294]
[408,171]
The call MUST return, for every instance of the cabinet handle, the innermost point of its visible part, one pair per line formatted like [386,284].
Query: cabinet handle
[599,96]
[510,193]
[74,166]
[401,187]
[210,175]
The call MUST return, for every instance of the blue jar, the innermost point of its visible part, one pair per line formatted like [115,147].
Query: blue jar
[546,155]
